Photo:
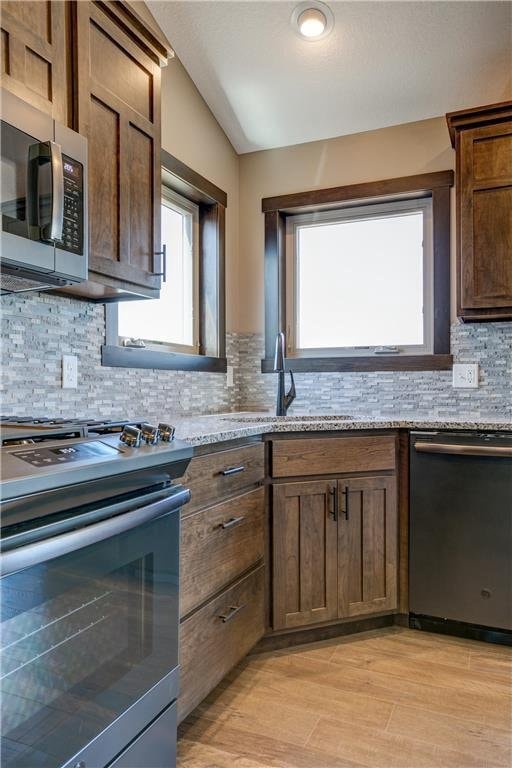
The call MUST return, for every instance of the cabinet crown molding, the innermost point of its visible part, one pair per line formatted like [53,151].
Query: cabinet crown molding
[489,114]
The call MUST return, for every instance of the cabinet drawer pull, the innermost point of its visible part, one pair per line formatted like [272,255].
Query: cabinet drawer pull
[230,613]
[232,470]
[232,522]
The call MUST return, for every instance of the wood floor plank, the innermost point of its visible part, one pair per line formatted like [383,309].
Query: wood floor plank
[380,749]
[265,749]
[481,741]
[413,700]
[285,691]
[493,708]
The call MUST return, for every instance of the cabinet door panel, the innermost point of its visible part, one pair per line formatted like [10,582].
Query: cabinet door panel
[104,166]
[119,112]
[34,54]
[367,546]
[485,217]
[304,554]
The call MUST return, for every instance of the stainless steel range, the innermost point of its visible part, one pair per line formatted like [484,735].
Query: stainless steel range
[90,593]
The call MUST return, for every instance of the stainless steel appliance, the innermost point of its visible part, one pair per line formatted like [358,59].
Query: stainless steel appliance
[90,596]
[43,197]
[460,571]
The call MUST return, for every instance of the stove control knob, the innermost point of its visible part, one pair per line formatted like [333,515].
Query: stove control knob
[131,436]
[166,432]
[150,434]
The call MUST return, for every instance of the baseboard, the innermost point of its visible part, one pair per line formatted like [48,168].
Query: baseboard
[276,642]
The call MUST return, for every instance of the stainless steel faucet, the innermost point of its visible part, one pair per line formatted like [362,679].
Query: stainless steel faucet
[283,400]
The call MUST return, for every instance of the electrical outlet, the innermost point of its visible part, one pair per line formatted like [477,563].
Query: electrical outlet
[69,371]
[465,375]
[230,381]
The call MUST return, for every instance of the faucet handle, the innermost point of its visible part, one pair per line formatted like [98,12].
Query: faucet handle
[292,394]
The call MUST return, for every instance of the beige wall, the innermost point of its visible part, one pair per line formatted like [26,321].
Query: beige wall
[400,150]
[192,134]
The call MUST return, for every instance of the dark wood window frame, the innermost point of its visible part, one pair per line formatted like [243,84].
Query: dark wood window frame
[277,209]
[212,203]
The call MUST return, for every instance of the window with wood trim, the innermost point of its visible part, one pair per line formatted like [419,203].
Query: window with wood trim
[359,280]
[358,277]
[184,329]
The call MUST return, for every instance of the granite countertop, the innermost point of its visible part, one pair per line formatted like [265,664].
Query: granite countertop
[216,428]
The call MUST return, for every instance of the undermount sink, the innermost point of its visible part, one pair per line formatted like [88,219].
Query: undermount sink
[269,418]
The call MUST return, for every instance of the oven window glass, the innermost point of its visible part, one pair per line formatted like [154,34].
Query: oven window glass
[13,182]
[84,637]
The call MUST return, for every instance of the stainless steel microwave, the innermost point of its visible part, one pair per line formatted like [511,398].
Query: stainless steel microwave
[43,200]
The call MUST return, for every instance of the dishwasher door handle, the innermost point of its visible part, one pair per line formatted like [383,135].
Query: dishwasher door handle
[501,451]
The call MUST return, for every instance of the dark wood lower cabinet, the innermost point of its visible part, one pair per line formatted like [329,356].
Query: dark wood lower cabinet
[334,549]
[367,546]
[218,636]
[304,554]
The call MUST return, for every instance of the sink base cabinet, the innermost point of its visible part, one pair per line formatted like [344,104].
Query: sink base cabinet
[334,550]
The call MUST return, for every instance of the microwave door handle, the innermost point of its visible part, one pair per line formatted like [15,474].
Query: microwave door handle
[40,552]
[40,154]
[57,222]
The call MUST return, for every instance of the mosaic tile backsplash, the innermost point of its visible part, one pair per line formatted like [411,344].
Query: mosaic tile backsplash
[37,329]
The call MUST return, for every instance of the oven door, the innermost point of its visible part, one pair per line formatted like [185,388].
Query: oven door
[90,636]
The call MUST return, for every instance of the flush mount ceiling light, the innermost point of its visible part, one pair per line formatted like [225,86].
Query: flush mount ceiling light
[312,20]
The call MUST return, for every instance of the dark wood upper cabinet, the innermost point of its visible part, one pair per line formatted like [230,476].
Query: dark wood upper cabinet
[35,55]
[482,138]
[367,546]
[304,554]
[118,109]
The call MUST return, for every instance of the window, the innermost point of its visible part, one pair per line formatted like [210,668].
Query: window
[184,329]
[358,277]
[172,321]
[359,280]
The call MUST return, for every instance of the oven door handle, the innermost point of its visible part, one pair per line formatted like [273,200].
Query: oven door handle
[57,546]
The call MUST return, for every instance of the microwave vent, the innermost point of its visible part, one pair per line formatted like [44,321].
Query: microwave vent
[15,284]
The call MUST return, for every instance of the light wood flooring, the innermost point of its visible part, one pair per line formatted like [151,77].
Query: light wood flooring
[393,698]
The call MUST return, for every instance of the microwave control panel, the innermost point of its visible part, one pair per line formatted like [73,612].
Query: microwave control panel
[73,229]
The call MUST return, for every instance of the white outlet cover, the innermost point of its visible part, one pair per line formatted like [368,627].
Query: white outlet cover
[465,375]
[69,371]
[230,382]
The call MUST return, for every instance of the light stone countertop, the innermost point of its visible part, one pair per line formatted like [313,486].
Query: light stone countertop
[217,428]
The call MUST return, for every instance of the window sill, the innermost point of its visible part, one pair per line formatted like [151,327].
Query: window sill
[363,364]
[134,357]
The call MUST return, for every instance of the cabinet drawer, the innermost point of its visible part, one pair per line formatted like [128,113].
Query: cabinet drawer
[218,544]
[217,475]
[218,636]
[323,456]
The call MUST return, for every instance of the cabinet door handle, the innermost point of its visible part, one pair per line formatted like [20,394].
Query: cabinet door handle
[232,470]
[230,613]
[344,507]
[334,495]
[163,254]
[232,522]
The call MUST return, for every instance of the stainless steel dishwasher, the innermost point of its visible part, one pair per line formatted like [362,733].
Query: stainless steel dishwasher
[460,537]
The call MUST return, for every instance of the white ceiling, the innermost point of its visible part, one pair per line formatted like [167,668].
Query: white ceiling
[384,63]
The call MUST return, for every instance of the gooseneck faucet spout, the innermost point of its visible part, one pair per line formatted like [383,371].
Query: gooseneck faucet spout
[284,400]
